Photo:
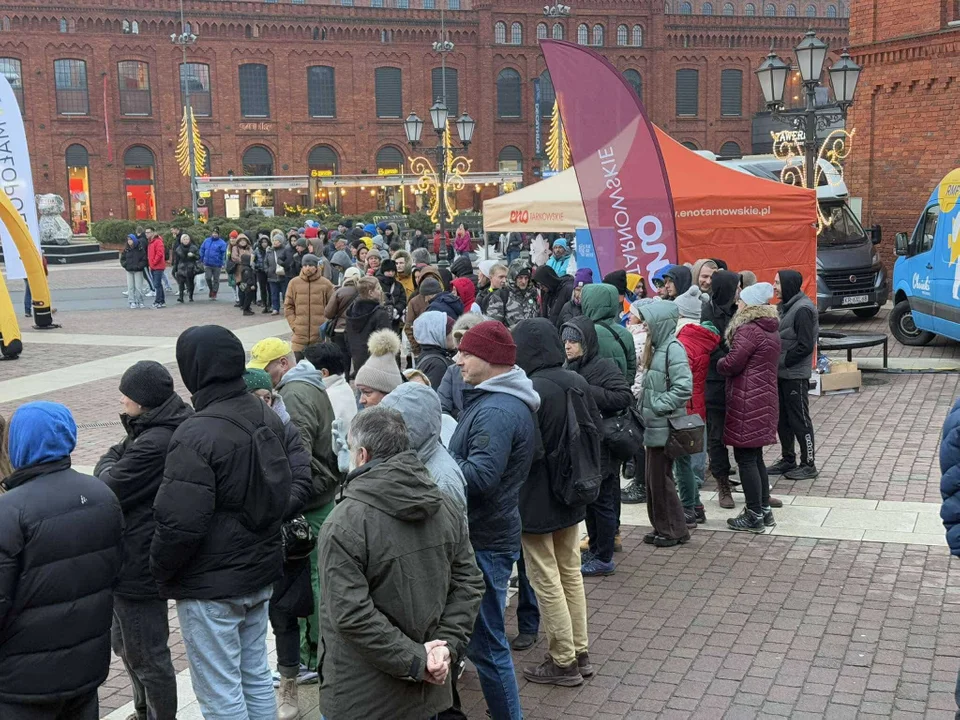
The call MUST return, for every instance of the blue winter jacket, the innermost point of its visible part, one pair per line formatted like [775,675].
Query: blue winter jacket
[494,445]
[950,478]
[213,252]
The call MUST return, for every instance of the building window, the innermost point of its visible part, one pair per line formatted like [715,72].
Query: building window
[323,162]
[583,34]
[70,77]
[749,9]
[64,26]
[731,92]
[207,161]
[386,36]
[195,78]
[542,31]
[728,8]
[134,84]
[707,9]
[686,8]
[598,35]
[78,184]
[508,93]
[5,24]
[690,145]
[516,34]
[730,150]
[500,33]
[346,3]
[666,8]
[453,4]
[389,162]
[622,35]
[376,3]
[770,10]
[636,36]
[548,96]
[389,93]
[429,4]
[831,11]
[558,31]
[321,91]
[791,10]
[130,28]
[12,70]
[403,4]
[688,92]
[635,81]
[510,159]
[258,162]
[138,181]
[450,88]
[811,10]
[254,91]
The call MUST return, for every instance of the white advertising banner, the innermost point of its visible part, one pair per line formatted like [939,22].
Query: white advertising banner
[16,178]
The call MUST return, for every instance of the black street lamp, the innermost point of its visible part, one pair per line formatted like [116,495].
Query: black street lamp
[810,120]
[184,40]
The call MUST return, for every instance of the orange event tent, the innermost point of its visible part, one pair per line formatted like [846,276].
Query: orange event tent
[750,222]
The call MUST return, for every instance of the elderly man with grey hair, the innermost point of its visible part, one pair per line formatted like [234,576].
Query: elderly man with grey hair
[401,587]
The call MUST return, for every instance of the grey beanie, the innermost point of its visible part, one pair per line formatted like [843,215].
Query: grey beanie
[689,304]
[147,383]
[571,334]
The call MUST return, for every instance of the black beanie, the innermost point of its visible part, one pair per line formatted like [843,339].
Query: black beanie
[388,266]
[147,383]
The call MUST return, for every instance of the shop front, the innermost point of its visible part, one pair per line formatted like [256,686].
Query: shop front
[140,183]
[390,195]
[323,164]
[258,162]
[78,184]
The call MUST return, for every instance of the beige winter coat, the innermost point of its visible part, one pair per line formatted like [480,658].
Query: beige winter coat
[306,300]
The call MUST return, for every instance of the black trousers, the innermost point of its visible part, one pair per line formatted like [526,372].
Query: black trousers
[753,478]
[795,422]
[264,289]
[602,518]
[246,298]
[185,282]
[340,340]
[716,450]
[139,637]
[85,707]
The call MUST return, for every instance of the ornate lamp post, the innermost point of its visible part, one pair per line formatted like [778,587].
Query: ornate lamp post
[184,40]
[809,120]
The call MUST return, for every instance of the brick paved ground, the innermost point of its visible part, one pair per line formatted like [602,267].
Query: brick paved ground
[37,357]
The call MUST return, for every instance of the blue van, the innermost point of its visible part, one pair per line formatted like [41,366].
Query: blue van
[926,275]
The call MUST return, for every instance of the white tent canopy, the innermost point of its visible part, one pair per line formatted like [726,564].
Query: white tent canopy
[551,205]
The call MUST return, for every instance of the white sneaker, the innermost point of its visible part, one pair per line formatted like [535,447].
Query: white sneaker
[149,293]
[133,306]
[124,293]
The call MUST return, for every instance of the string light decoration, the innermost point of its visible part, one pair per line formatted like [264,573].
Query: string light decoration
[183,146]
[457,167]
[558,147]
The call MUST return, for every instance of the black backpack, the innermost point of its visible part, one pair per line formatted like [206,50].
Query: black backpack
[576,466]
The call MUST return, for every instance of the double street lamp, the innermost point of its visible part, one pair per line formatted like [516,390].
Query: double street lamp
[811,54]
[183,41]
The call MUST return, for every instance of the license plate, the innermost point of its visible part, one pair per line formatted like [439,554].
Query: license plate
[855,300]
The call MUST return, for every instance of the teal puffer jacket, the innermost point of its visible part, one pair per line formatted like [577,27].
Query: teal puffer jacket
[601,304]
[668,384]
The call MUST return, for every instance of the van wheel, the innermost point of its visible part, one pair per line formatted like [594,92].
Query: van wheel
[866,313]
[903,327]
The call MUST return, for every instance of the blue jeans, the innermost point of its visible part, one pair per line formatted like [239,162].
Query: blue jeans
[511,256]
[528,612]
[284,281]
[699,461]
[488,648]
[226,643]
[158,286]
[27,300]
[274,286]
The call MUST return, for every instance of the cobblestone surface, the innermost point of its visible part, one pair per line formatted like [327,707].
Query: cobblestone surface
[38,357]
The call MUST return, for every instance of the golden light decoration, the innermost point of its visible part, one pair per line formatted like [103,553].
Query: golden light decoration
[835,148]
[183,146]
[558,147]
[428,181]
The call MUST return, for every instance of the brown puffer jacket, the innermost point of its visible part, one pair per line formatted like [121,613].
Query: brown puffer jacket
[304,306]
[340,302]
[418,305]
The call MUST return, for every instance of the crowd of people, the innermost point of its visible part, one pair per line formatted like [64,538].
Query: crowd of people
[366,489]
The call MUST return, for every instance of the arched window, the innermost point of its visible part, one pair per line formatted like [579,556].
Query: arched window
[70,78]
[516,34]
[257,161]
[12,70]
[188,28]
[558,31]
[389,159]
[730,150]
[636,82]
[541,31]
[508,94]
[707,9]
[770,10]
[622,35]
[547,95]
[666,8]
[322,91]
[598,35]
[135,28]
[749,9]
[728,9]
[5,24]
[78,184]
[500,33]
[64,27]
[791,10]
[636,36]
[811,10]
[583,34]
[690,145]
[686,8]
[510,159]
[125,27]
[831,11]
[139,165]
[254,91]
[324,159]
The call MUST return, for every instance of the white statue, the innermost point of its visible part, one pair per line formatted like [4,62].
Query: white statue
[53,228]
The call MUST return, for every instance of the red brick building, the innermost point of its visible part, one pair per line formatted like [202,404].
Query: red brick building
[906,108]
[289,88]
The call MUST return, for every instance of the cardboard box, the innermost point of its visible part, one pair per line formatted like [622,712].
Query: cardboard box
[836,383]
[842,366]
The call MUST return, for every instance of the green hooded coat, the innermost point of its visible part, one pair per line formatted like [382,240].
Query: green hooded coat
[668,383]
[601,303]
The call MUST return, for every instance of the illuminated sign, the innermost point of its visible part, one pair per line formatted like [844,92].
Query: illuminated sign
[388,171]
[321,173]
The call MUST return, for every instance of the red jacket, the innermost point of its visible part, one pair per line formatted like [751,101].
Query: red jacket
[438,239]
[699,342]
[157,254]
[753,407]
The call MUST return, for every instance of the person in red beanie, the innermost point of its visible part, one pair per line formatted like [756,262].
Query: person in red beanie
[493,445]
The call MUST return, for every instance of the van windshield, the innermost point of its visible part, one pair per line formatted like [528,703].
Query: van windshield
[843,228]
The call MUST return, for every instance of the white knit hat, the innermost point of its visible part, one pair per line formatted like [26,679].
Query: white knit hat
[380,372]
[759,294]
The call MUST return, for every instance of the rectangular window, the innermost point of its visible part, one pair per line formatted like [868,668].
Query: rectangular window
[134,84]
[376,3]
[346,3]
[321,91]
[403,4]
[70,77]
[389,94]
[453,4]
[452,90]
[254,92]
[731,93]
[12,70]
[429,4]
[688,93]
[195,77]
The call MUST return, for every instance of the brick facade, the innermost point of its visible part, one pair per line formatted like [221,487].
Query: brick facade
[289,38]
[906,108]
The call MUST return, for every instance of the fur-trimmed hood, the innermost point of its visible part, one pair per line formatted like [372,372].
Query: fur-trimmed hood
[764,314]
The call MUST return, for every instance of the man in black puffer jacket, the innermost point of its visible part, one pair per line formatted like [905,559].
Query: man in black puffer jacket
[217,548]
[60,534]
[133,469]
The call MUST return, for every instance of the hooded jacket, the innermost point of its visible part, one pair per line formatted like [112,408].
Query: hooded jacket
[364,317]
[133,258]
[213,252]
[277,257]
[753,409]
[157,254]
[417,305]
[186,259]
[406,277]
[394,298]
[668,382]
[398,571]
[60,554]
[421,411]
[338,305]
[202,548]
[555,290]
[430,331]
[698,266]
[492,445]
[305,398]
[718,311]
[681,276]
[304,306]
[133,470]
[540,355]
[699,341]
[799,328]
[510,304]
[462,267]
[601,304]
[446,303]
[451,392]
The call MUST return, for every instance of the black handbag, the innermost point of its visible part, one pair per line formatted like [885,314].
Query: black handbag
[623,434]
[297,538]
[685,436]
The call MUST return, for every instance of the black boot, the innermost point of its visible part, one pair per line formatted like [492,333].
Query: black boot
[633,494]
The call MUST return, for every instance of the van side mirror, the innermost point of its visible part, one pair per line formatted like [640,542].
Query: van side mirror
[901,243]
[875,234]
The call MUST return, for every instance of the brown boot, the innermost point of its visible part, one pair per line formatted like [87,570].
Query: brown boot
[723,489]
[549,673]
